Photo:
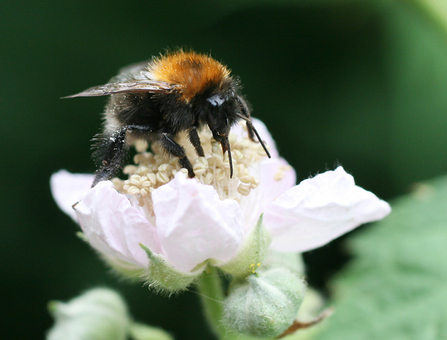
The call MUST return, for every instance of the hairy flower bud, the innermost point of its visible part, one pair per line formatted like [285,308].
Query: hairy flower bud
[99,314]
[266,304]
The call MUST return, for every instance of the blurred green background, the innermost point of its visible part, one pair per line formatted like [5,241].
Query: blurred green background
[337,82]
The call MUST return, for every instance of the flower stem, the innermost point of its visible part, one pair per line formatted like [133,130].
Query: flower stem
[212,296]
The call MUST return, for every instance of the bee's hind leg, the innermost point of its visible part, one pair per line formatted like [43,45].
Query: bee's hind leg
[110,152]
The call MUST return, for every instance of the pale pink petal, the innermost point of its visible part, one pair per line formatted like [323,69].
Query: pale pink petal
[67,189]
[194,225]
[114,227]
[319,210]
[276,177]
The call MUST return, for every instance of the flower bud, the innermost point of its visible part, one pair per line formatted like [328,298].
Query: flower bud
[99,314]
[266,304]
[292,261]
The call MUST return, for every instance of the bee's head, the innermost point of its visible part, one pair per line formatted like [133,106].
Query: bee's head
[221,113]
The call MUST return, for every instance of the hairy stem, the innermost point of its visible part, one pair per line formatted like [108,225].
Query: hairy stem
[212,296]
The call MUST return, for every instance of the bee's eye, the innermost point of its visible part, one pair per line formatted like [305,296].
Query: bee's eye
[216,100]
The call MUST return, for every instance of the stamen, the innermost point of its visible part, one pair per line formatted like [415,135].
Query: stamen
[154,169]
[282,172]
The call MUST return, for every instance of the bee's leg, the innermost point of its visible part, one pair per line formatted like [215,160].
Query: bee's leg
[171,146]
[110,151]
[195,141]
[225,143]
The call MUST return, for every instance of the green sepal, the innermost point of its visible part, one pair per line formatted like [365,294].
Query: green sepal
[139,331]
[252,252]
[164,278]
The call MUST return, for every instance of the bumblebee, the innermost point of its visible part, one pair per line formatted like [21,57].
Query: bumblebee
[157,99]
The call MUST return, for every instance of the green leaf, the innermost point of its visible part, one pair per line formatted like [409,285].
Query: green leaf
[395,288]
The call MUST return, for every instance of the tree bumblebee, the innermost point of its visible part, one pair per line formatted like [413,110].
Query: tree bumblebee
[157,99]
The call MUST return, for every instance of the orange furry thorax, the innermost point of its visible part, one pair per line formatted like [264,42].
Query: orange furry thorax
[190,71]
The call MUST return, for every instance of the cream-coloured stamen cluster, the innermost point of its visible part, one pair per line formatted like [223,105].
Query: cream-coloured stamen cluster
[151,170]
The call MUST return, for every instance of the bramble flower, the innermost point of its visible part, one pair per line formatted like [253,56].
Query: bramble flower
[160,225]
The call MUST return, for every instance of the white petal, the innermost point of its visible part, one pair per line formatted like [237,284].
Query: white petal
[276,177]
[319,210]
[67,189]
[114,227]
[194,225]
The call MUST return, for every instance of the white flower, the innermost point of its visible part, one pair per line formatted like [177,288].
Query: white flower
[190,221]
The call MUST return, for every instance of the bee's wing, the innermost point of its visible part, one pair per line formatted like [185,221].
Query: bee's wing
[135,71]
[128,86]
[132,78]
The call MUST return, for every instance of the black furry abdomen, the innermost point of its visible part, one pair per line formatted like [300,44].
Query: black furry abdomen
[136,109]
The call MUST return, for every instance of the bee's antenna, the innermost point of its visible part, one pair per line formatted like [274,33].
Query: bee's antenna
[230,159]
[250,126]
[259,139]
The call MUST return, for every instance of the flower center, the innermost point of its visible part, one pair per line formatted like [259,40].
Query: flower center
[153,169]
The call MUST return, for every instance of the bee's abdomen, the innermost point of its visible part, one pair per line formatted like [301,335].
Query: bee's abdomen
[136,109]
